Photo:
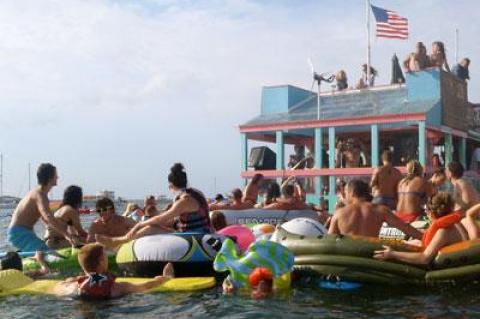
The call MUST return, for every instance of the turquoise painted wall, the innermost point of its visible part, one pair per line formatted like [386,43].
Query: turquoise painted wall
[423,86]
[434,116]
[278,99]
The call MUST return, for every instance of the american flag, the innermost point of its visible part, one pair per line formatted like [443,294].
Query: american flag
[389,24]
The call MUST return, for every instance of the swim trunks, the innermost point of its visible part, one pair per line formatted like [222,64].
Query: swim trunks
[385,200]
[25,239]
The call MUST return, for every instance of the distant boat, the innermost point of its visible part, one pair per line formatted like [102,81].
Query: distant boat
[9,202]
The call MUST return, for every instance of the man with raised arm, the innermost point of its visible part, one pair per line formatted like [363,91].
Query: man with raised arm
[35,206]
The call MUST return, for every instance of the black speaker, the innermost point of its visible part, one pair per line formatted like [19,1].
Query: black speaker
[262,158]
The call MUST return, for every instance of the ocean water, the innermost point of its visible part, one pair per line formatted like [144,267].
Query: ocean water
[306,301]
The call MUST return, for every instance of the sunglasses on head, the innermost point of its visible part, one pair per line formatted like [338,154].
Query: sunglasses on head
[105,209]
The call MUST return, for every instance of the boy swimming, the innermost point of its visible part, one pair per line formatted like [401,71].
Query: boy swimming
[98,282]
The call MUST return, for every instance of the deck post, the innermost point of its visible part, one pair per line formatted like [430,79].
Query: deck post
[280,150]
[374,139]
[463,152]
[331,164]
[448,149]
[422,134]
[244,154]
[318,163]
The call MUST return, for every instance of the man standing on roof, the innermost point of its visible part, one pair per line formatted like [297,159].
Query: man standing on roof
[461,70]
[35,206]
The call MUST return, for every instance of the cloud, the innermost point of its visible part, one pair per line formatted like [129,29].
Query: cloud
[172,80]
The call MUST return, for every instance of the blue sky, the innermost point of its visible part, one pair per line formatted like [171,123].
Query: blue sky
[114,92]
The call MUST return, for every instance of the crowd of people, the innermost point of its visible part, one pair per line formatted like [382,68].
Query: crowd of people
[362,209]
[415,61]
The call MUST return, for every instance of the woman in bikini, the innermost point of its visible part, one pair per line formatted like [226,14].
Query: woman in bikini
[445,230]
[413,191]
[69,217]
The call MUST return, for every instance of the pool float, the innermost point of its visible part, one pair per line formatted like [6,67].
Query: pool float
[14,282]
[242,234]
[302,226]
[260,216]
[63,260]
[349,258]
[262,231]
[260,254]
[191,254]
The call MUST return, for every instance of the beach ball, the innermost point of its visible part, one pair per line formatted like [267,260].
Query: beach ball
[242,234]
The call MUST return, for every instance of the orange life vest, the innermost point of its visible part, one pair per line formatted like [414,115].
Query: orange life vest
[442,222]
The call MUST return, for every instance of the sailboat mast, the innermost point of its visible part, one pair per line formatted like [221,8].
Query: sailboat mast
[29,177]
[1,174]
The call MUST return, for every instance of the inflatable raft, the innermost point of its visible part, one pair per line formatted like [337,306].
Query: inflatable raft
[62,260]
[264,216]
[191,254]
[350,258]
[14,282]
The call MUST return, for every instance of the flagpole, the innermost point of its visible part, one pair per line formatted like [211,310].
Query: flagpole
[367,11]
[456,45]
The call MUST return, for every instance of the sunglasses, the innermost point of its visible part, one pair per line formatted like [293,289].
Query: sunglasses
[106,209]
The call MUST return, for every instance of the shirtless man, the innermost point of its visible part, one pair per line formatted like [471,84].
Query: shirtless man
[413,191]
[250,193]
[108,224]
[352,153]
[35,206]
[385,181]
[464,193]
[362,218]
[235,204]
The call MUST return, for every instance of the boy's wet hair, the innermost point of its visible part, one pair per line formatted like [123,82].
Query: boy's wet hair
[90,256]
[104,203]
[45,173]
[456,169]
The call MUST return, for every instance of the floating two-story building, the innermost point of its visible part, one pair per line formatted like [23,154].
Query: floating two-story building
[429,113]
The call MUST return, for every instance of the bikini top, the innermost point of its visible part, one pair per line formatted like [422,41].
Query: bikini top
[421,195]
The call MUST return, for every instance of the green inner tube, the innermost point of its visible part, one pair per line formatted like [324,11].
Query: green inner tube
[359,275]
[338,245]
[464,273]
[362,264]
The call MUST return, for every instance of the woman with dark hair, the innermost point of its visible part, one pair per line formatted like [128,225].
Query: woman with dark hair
[69,217]
[413,191]
[189,212]
[445,230]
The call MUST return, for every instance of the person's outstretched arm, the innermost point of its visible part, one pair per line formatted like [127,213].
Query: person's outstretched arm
[123,288]
[420,258]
